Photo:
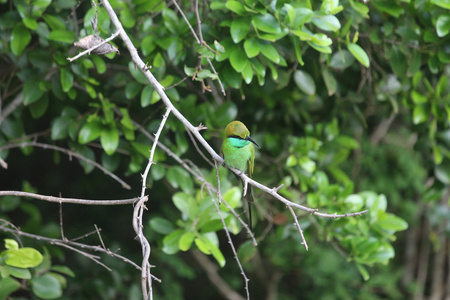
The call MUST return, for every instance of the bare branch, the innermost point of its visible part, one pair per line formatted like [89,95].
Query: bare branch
[298,227]
[199,40]
[88,51]
[11,107]
[146,278]
[219,194]
[230,241]
[69,200]
[4,226]
[3,164]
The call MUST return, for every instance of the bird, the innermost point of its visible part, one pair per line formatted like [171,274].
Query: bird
[239,153]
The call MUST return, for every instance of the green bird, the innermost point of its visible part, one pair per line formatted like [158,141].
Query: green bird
[239,153]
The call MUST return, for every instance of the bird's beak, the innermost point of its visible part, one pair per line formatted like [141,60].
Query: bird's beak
[248,138]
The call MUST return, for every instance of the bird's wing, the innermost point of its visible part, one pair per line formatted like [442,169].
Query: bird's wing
[251,162]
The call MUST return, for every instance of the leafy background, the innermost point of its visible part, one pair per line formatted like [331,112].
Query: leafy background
[349,101]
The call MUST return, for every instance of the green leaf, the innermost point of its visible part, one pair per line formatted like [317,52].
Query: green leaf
[89,132]
[239,29]
[186,240]
[31,91]
[392,222]
[185,203]
[305,82]
[158,171]
[236,7]
[20,38]
[19,272]
[126,18]
[161,225]
[298,51]
[189,71]
[442,172]
[389,7]
[290,13]
[291,161]
[54,22]
[238,59]
[30,23]
[171,242]
[46,287]
[354,202]
[420,114]
[326,23]
[443,25]
[110,139]
[233,197]
[398,62]
[146,95]
[206,244]
[23,257]
[246,251]
[38,108]
[441,3]
[62,36]
[251,47]
[219,48]
[269,51]
[11,244]
[363,271]
[203,245]
[247,74]
[132,89]
[8,285]
[418,98]
[205,52]
[330,82]
[60,128]
[99,63]
[179,177]
[307,164]
[66,78]
[137,73]
[87,153]
[63,270]
[359,54]
[266,23]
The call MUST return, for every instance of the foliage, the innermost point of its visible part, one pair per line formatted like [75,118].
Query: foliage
[46,281]
[349,101]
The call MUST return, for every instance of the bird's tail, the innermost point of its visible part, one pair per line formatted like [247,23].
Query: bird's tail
[250,200]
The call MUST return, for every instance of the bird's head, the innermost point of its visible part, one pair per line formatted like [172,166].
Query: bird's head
[237,129]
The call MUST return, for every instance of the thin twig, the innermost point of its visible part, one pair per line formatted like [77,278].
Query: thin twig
[14,230]
[11,107]
[298,227]
[198,149]
[88,51]
[94,258]
[100,238]
[61,223]
[219,194]
[230,241]
[70,154]
[199,40]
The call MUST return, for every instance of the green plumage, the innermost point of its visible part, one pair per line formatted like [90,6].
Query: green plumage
[239,153]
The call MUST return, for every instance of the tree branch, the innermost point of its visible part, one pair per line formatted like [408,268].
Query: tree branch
[69,200]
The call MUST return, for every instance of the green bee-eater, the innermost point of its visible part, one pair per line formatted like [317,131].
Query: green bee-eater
[239,153]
